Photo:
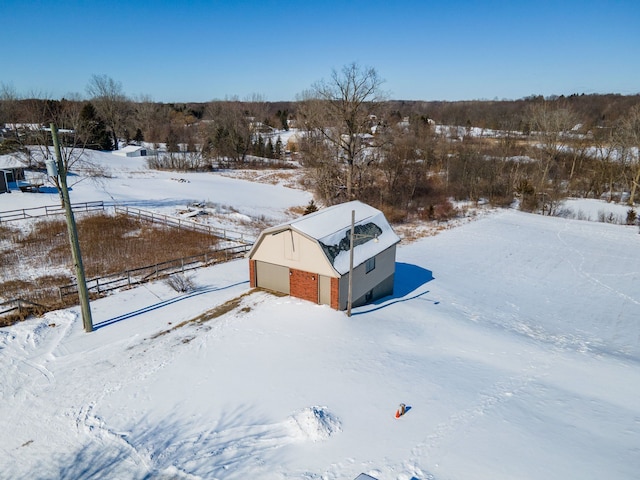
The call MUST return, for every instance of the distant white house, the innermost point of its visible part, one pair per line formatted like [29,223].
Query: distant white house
[11,170]
[4,182]
[131,151]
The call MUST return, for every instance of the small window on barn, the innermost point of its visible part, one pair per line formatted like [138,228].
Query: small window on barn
[371,264]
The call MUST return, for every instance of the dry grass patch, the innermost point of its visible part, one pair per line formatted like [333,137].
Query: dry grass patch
[296,211]
[109,243]
[21,315]
[216,312]
[286,177]
[44,289]
[112,244]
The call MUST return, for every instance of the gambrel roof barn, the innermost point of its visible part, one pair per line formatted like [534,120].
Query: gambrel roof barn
[310,257]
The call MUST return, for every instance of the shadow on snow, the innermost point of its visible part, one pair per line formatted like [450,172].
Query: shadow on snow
[408,278]
[164,303]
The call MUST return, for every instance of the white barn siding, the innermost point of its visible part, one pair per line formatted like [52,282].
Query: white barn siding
[291,249]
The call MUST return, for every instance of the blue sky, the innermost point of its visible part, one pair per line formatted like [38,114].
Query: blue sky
[179,51]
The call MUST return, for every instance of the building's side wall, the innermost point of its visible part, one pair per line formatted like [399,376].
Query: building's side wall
[295,251]
[379,281]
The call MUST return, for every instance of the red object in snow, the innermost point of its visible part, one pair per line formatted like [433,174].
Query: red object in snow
[401,410]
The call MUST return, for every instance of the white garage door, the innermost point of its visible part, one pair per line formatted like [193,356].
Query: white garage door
[272,277]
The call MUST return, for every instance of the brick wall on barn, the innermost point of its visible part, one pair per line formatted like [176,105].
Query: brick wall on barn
[252,273]
[335,293]
[304,285]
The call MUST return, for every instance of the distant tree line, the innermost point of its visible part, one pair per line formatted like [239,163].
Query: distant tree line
[409,158]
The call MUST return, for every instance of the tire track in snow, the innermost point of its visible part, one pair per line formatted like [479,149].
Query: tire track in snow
[26,353]
[158,448]
[90,425]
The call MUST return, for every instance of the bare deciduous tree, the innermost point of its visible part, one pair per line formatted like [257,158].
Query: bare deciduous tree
[552,124]
[233,127]
[111,102]
[8,104]
[341,110]
[628,138]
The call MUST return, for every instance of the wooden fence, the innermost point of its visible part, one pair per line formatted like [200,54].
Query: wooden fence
[21,306]
[152,272]
[137,275]
[35,212]
[168,220]
[177,222]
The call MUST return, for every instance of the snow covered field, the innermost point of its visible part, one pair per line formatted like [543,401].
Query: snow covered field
[514,340]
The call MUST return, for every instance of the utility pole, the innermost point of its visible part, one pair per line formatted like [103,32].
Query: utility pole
[351,238]
[60,176]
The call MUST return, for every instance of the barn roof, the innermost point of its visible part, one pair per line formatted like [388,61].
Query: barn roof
[364,476]
[128,149]
[331,228]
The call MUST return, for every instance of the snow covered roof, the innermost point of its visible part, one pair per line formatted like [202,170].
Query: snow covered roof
[10,161]
[128,149]
[331,227]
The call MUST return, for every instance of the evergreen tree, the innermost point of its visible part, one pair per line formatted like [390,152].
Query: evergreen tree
[260,151]
[278,151]
[139,137]
[311,207]
[283,115]
[269,150]
[92,130]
